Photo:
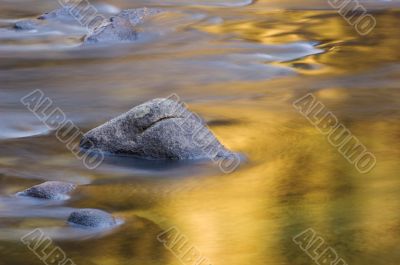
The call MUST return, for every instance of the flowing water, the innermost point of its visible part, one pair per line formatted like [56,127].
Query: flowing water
[240,65]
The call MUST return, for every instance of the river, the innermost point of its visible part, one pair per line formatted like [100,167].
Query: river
[240,65]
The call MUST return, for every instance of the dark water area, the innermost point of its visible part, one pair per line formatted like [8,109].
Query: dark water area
[240,65]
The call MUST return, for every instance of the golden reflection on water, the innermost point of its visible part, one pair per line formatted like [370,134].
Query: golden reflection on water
[293,178]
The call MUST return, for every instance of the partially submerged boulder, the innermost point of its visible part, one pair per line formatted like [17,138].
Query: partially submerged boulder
[50,190]
[92,218]
[76,15]
[158,129]
[120,28]
[103,27]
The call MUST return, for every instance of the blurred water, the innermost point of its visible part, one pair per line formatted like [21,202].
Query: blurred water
[240,65]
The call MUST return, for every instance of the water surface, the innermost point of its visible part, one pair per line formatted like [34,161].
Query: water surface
[240,65]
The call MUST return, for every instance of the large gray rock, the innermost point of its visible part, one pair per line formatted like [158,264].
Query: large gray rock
[92,218]
[51,190]
[120,28]
[158,129]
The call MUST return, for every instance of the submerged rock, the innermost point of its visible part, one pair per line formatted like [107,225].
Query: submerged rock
[61,14]
[138,15]
[116,30]
[51,190]
[120,28]
[92,218]
[158,129]
[104,27]
[28,24]
[79,15]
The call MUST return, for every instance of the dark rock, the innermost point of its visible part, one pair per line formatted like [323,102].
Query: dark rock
[92,218]
[120,28]
[158,129]
[51,190]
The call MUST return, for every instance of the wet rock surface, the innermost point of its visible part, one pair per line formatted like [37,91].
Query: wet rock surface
[50,190]
[158,129]
[93,218]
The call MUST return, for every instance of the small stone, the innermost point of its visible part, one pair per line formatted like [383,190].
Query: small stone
[92,218]
[50,190]
[158,129]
